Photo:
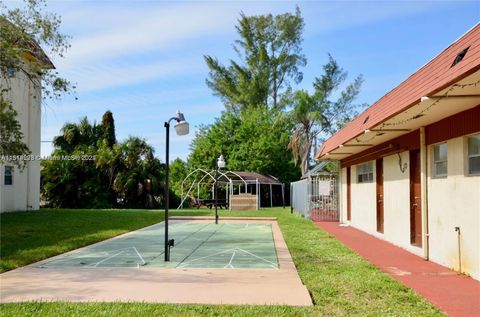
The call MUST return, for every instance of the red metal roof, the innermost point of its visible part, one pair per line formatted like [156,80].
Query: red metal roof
[431,78]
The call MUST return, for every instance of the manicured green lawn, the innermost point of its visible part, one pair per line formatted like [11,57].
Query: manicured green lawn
[28,237]
[340,282]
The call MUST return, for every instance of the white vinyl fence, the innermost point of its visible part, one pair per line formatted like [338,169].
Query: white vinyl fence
[299,197]
[316,197]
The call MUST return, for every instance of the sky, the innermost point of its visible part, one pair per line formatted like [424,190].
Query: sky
[143,60]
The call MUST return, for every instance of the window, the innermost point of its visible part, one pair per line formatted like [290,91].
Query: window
[365,173]
[8,177]
[440,160]
[10,72]
[474,155]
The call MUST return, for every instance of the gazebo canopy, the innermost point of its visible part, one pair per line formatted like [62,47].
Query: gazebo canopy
[205,177]
[250,178]
[228,179]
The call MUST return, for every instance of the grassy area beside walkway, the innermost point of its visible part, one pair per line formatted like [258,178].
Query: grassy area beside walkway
[341,283]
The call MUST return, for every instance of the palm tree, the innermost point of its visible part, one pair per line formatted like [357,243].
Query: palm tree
[75,134]
[316,117]
[307,116]
[139,176]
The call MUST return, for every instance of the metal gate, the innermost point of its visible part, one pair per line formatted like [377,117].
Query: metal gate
[316,197]
[324,198]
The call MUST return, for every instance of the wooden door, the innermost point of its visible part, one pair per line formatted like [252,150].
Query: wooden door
[379,176]
[349,195]
[415,199]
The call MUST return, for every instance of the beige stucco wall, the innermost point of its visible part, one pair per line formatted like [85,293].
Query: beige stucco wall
[452,201]
[363,195]
[397,202]
[455,201]
[24,194]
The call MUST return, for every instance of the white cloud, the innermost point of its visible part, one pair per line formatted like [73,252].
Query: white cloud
[152,28]
[103,76]
[126,101]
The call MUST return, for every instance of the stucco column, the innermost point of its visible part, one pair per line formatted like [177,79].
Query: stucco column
[424,192]
[340,193]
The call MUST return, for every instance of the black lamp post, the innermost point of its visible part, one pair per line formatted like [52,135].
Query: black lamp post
[182,128]
[220,165]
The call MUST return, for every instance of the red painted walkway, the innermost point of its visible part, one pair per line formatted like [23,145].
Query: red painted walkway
[454,294]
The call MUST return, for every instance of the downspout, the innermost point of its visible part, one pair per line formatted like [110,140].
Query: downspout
[457,230]
[424,193]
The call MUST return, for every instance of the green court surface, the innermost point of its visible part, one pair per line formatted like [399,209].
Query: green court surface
[197,245]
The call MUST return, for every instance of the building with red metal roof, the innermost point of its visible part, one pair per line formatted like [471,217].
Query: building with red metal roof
[410,163]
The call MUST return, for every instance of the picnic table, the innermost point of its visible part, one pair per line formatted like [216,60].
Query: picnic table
[208,203]
[211,203]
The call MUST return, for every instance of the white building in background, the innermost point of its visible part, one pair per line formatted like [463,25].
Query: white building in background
[410,164]
[20,189]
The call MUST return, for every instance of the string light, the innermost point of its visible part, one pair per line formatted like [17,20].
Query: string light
[436,102]
[419,114]
[369,139]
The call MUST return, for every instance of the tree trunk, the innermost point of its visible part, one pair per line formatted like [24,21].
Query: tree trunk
[305,166]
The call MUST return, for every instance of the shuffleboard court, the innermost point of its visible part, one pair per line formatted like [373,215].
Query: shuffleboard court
[197,245]
[238,262]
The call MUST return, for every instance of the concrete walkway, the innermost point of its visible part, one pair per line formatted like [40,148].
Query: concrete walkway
[454,294]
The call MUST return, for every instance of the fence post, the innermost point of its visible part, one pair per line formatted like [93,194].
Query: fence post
[291,198]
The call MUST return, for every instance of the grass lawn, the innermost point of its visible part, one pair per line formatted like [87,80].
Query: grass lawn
[341,283]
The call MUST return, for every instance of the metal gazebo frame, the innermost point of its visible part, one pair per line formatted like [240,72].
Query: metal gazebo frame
[229,179]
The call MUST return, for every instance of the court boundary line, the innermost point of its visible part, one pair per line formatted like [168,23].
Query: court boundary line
[141,258]
[229,265]
[181,265]
[162,252]
[106,259]
[203,242]
[92,254]
[185,264]
[117,254]
[259,257]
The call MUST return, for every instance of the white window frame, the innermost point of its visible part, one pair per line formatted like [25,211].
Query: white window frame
[435,161]
[369,174]
[5,174]
[10,72]
[469,156]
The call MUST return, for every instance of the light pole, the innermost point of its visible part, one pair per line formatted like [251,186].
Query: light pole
[220,165]
[182,128]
